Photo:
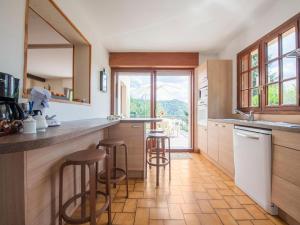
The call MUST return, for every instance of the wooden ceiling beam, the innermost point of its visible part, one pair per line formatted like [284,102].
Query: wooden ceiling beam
[154,59]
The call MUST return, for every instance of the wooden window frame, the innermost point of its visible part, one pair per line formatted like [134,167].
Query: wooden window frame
[245,52]
[261,44]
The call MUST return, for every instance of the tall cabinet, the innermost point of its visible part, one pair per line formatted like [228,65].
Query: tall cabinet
[214,101]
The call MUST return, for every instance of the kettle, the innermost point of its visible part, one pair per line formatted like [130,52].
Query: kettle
[41,123]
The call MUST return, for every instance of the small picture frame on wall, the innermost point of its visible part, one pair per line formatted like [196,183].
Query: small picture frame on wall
[103,80]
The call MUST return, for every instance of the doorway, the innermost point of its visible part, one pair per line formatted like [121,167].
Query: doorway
[165,94]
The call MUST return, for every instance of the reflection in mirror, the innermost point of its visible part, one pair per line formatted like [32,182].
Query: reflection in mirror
[49,59]
[57,55]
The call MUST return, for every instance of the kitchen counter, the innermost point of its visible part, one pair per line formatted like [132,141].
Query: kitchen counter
[29,165]
[141,120]
[55,135]
[262,124]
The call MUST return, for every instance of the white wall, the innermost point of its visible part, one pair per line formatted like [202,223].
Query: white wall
[12,20]
[277,14]
[205,56]
[12,14]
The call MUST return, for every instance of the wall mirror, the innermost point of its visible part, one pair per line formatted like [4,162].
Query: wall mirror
[57,55]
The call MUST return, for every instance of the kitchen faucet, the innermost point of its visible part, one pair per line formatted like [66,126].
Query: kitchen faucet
[249,117]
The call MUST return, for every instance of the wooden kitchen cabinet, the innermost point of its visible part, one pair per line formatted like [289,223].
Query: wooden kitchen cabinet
[133,135]
[285,172]
[202,139]
[212,141]
[226,147]
[213,91]
[220,145]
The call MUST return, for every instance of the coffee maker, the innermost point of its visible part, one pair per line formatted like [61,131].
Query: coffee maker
[9,94]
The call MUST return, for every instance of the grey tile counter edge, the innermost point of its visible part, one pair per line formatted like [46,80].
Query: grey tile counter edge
[53,135]
[273,126]
[140,120]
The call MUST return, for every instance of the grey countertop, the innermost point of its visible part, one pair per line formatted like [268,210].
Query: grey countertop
[141,120]
[54,135]
[262,124]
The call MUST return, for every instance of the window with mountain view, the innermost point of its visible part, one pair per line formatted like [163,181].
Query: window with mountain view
[163,94]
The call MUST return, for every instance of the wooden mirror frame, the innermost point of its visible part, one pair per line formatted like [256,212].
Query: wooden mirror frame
[54,17]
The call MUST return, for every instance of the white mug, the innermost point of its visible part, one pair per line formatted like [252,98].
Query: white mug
[29,126]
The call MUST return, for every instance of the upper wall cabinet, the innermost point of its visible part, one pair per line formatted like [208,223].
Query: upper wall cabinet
[57,55]
[214,87]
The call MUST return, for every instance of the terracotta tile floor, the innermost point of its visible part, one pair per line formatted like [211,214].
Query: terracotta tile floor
[198,194]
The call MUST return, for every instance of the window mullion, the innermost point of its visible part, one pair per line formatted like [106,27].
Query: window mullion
[298,61]
[249,79]
[280,64]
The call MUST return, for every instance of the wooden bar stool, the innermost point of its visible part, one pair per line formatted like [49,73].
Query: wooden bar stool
[159,137]
[118,174]
[85,158]
[150,146]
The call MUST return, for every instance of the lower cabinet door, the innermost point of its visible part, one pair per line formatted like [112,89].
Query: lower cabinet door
[133,136]
[212,141]
[202,139]
[226,147]
[226,161]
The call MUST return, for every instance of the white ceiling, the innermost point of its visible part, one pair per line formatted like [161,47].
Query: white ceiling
[167,25]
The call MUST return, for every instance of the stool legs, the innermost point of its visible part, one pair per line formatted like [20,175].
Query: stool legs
[89,159]
[115,164]
[107,168]
[92,172]
[169,148]
[112,152]
[126,169]
[146,164]
[157,163]
[83,190]
[163,146]
[160,155]
[61,172]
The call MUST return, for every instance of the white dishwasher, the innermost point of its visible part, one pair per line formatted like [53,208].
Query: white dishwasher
[253,162]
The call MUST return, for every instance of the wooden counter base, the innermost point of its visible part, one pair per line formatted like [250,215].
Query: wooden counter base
[29,181]
[29,178]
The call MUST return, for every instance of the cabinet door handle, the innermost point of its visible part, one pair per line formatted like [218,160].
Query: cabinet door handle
[136,126]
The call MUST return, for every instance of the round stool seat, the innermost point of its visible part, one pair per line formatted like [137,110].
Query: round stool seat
[86,156]
[157,135]
[110,142]
[156,131]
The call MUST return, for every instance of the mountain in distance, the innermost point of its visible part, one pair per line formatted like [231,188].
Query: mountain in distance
[174,107]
